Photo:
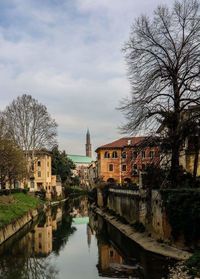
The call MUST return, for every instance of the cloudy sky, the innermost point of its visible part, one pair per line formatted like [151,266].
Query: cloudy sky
[67,54]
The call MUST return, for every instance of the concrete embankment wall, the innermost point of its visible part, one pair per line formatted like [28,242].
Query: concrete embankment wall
[137,206]
[15,226]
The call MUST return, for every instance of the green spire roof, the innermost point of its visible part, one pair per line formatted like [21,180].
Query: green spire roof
[80,159]
[80,220]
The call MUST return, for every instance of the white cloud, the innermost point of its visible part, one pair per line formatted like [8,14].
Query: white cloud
[67,54]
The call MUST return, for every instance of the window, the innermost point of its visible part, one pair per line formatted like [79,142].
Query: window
[48,174]
[134,155]
[48,164]
[39,173]
[106,154]
[111,254]
[143,166]
[32,184]
[151,154]
[143,154]
[39,164]
[114,154]
[123,167]
[134,170]
[124,155]
[110,167]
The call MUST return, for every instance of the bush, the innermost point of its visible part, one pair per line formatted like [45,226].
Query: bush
[193,264]
[183,211]
[6,192]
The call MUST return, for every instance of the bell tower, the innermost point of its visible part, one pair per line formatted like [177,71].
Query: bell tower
[88,145]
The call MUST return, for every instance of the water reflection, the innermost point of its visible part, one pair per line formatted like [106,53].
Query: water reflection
[26,257]
[70,241]
[122,258]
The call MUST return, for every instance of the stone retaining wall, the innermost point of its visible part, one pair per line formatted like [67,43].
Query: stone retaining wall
[139,206]
[15,226]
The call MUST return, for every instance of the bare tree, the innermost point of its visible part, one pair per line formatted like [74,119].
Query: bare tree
[163,57]
[30,125]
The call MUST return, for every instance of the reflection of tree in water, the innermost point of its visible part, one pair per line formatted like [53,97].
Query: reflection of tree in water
[61,235]
[19,259]
[80,204]
[27,268]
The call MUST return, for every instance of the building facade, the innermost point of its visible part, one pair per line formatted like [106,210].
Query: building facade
[40,177]
[122,161]
[82,163]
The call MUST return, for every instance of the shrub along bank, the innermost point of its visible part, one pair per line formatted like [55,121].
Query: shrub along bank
[183,211]
[75,190]
[193,265]
[15,206]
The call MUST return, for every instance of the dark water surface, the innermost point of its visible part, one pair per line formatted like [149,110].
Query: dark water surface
[70,242]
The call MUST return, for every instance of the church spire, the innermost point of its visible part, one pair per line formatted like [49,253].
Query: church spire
[88,145]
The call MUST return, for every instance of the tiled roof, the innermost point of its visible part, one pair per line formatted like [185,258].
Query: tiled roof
[120,143]
[80,159]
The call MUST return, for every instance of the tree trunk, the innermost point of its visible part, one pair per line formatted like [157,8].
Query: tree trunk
[175,136]
[174,173]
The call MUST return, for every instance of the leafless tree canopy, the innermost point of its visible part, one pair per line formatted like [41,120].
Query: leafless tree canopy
[29,124]
[163,56]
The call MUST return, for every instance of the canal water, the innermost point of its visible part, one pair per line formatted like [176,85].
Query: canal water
[71,242]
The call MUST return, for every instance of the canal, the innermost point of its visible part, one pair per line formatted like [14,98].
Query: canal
[72,242]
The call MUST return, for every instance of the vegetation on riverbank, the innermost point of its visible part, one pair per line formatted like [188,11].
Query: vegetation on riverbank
[15,206]
[193,265]
[189,269]
[75,190]
[183,210]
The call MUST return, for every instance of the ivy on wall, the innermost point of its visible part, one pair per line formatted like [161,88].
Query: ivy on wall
[183,211]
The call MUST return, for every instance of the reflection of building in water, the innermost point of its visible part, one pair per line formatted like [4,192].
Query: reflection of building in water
[90,232]
[113,265]
[43,240]
[84,207]
[43,232]
[108,256]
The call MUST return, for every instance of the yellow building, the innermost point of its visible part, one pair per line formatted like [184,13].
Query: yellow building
[41,177]
[187,152]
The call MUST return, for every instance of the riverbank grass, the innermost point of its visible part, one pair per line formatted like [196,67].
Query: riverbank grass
[15,206]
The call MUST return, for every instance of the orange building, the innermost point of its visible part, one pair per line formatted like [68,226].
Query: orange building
[122,160]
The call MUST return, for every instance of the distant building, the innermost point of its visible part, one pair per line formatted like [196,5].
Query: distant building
[122,160]
[88,145]
[83,162]
[92,174]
